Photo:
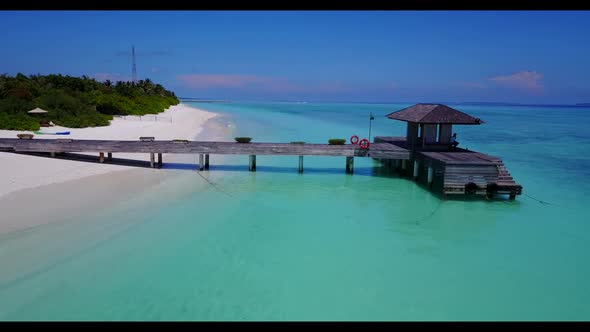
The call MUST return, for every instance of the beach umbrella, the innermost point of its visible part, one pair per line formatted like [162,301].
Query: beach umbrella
[37,111]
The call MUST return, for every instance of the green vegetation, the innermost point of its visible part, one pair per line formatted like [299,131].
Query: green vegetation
[336,141]
[76,102]
[243,139]
[298,142]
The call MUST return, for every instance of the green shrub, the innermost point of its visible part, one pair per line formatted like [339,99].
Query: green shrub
[18,122]
[243,139]
[336,141]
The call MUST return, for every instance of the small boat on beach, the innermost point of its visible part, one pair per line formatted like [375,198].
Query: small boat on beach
[57,133]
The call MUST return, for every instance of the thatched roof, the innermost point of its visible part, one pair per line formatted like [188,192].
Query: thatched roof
[433,113]
[37,111]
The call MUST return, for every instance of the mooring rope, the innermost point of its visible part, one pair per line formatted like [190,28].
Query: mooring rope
[418,221]
[538,200]
[214,185]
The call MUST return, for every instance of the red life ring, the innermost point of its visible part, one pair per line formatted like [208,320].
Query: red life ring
[364,143]
[354,139]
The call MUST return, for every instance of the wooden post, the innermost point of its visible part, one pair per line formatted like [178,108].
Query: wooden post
[201,166]
[416,165]
[512,196]
[300,164]
[207,161]
[252,163]
[423,136]
[152,159]
[404,164]
[109,156]
[101,157]
[52,154]
[430,176]
[159,160]
[349,165]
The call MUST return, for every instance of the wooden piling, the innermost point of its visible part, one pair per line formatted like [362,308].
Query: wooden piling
[512,196]
[300,164]
[430,175]
[152,159]
[207,161]
[349,165]
[252,163]
[52,154]
[109,156]
[101,157]
[159,160]
[201,166]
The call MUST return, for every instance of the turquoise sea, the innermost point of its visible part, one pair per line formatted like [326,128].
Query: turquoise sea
[324,245]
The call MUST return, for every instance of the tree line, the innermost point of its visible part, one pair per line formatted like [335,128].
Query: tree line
[76,102]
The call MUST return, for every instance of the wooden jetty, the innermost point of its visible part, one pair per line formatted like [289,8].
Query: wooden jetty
[203,149]
[425,154]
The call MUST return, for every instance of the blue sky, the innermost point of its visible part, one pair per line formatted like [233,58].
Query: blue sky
[377,56]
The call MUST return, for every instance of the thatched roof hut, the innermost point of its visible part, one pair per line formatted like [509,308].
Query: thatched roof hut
[434,114]
[37,111]
[430,125]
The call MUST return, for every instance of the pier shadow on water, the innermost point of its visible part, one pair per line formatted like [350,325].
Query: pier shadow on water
[377,170]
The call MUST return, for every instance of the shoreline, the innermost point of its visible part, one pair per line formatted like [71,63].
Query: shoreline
[26,172]
[40,190]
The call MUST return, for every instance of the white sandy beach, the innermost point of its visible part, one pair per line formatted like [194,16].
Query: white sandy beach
[22,172]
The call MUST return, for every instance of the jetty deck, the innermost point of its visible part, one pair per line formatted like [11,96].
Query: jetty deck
[452,169]
[382,150]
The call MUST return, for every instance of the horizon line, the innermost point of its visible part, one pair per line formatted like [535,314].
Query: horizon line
[482,103]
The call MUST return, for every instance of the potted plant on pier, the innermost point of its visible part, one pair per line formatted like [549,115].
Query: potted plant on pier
[336,141]
[243,139]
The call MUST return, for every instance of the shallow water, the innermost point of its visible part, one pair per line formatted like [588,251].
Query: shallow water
[324,245]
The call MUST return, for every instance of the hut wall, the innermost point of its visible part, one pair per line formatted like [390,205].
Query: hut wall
[412,134]
[429,133]
[445,133]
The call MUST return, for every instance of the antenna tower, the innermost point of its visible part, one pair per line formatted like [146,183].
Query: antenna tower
[134,70]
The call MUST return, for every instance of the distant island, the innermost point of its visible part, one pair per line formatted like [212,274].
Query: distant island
[488,103]
[518,104]
[76,102]
[203,100]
